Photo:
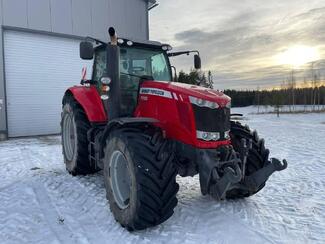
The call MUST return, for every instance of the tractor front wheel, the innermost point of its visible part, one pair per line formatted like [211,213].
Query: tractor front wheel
[140,177]
[257,156]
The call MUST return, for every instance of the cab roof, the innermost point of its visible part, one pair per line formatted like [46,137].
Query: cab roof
[124,42]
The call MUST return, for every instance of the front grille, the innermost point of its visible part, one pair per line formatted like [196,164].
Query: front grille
[212,120]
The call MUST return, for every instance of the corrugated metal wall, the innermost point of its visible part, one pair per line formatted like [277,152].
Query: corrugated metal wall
[39,70]
[78,17]
[3,125]
[71,17]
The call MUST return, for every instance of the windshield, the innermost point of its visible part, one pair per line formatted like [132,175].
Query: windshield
[136,63]
[145,62]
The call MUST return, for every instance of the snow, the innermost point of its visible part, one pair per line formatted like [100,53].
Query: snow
[41,203]
[285,108]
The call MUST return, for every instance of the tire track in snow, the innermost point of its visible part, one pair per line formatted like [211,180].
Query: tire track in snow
[62,232]
[20,218]
[75,205]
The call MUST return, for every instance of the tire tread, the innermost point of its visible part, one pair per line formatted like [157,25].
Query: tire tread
[155,174]
[257,156]
[82,164]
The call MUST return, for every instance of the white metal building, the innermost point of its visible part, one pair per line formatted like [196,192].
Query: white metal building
[39,54]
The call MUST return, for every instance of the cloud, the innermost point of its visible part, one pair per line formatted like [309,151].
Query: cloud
[240,48]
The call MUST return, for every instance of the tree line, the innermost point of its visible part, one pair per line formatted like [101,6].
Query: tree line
[278,97]
[312,91]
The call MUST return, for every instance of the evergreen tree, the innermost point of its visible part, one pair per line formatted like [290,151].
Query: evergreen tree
[210,79]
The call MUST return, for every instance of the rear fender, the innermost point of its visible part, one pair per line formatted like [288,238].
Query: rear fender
[90,101]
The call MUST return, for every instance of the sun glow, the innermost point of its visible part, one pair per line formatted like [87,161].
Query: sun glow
[297,56]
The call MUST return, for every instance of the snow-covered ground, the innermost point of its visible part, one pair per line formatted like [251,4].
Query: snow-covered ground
[286,108]
[41,203]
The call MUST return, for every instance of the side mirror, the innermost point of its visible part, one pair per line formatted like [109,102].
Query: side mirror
[86,50]
[197,61]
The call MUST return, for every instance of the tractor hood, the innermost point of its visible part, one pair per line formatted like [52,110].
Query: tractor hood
[183,91]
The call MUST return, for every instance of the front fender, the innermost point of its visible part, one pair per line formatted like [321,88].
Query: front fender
[90,101]
[121,122]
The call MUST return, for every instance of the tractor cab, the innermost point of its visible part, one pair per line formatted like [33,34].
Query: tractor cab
[125,64]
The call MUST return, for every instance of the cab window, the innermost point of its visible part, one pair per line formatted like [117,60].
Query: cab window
[99,64]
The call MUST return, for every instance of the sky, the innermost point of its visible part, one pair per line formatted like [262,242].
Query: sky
[246,44]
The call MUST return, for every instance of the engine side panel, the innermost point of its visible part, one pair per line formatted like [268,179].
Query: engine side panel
[172,108]
[90,101]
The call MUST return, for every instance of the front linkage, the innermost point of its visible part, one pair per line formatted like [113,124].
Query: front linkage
[224,169]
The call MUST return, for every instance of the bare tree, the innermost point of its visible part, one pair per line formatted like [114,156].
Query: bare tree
[210,79]
[305,94]
[258,99]
[318,89]
[314,83]
[287,89]
[292,86]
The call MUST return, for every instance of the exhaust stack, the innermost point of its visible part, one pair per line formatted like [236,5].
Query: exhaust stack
[113,36]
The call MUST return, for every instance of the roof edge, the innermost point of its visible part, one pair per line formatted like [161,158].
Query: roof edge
[152,4]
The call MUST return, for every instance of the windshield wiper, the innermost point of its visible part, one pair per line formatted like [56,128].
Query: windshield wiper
[144,77]
[131,75]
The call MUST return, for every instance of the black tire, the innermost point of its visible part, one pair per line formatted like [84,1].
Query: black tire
[76,161]
[256,159]
[153,189]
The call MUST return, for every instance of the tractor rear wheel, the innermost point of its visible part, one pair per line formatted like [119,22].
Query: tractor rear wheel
[74,127]
[256,159]
[140,177]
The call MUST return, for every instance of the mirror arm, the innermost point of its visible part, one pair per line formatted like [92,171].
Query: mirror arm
[97,41]
[91,82]
[174,54]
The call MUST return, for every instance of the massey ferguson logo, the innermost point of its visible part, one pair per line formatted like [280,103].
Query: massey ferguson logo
[155,92]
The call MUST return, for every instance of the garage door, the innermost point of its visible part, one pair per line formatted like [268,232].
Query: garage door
[38,69]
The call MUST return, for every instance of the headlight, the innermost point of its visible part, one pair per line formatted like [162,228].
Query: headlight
[167,48]
[208,136]
[203,103]
[105,80]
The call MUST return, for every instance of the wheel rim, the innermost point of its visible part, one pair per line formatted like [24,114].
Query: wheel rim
[120,179]
[69,137]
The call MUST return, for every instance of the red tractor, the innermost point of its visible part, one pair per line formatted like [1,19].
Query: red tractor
[141,128]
